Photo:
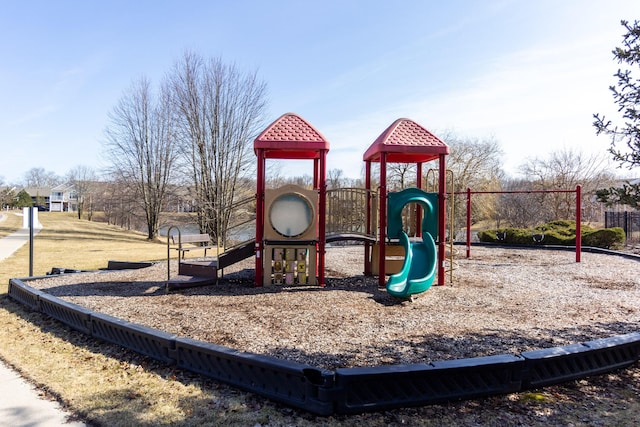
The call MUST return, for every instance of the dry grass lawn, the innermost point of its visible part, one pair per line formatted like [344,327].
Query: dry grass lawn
[10,223]
[68,242]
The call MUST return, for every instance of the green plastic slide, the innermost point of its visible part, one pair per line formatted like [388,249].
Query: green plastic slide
[419,268]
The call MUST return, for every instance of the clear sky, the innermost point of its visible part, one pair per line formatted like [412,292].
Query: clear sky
[528,73]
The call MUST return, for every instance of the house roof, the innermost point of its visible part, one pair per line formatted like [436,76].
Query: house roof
[405,141]
[38,191]
[291,137]
[63,187]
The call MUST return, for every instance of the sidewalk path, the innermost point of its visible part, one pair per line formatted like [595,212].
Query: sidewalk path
[14,241]
[21,404]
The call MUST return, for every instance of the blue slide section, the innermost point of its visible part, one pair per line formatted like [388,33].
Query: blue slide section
[419,268]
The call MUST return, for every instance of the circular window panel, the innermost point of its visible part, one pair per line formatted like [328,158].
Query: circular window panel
[291,214]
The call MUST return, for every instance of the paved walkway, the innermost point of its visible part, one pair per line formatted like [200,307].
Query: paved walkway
[14,241]
[21,404]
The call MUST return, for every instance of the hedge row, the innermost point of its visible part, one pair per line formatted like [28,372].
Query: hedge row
[561,233]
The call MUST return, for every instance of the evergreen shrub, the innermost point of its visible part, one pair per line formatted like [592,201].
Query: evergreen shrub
[559,233]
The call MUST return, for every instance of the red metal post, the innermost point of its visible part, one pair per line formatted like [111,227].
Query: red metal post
[442,220]
[418,207]
[322,209]
[468,222]
[382,197]
[316,174]
[367,245]
[578,222]
[259,244]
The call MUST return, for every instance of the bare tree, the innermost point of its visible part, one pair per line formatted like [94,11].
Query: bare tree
[335,178]
[521,210]
[83,179]
[220,111]
[564,170]
[400,175]
[475,164]
[8,197]
[39,177]
[141,146]
[117,200]
[305,181]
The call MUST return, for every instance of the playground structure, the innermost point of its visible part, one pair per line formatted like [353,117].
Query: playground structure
[294,224]
[405,141]
[291,221]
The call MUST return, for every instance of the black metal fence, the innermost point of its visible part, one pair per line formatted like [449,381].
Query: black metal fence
[628,221]
[346,390]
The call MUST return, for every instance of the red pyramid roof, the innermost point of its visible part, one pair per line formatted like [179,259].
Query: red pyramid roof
[291,137]
[405,141]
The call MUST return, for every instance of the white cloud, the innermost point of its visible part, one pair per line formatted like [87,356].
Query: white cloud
[534,101]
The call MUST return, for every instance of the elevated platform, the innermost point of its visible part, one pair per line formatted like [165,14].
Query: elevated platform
[194,273]
[182,281]
[205,272]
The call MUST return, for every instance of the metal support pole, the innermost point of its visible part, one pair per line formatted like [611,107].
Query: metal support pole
[31,241]
[468,222]
[383,220]
[442,219]
[367,245]
[169,252]
[259,244]
[578,222]
[322,214]
[418,207]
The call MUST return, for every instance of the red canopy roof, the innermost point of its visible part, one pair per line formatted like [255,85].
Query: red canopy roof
[291,137]
[405,141]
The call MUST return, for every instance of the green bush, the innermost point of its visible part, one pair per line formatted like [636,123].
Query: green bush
[605,238]
[560,233]
[556,237]
[511,235]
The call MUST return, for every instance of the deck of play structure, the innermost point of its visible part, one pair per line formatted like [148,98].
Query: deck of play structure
[294,224]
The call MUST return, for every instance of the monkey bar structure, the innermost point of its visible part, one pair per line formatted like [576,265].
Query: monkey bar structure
[577,191]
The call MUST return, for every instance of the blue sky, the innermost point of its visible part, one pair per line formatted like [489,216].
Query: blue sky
[528,73]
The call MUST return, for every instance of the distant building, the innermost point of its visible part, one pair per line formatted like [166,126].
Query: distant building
[39,196]
[63,198]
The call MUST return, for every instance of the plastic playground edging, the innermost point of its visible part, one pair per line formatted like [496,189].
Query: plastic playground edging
[345,390]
